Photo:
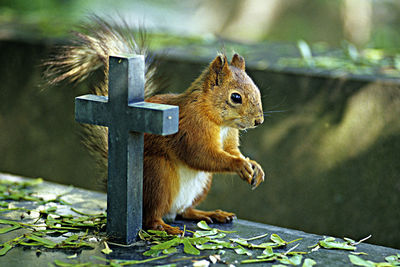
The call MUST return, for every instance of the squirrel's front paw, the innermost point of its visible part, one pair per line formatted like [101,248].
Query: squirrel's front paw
[258,174]
[244,169]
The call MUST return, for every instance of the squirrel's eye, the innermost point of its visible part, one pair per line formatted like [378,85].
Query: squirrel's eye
[236,98]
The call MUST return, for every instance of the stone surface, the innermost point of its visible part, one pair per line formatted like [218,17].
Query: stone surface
[94,202]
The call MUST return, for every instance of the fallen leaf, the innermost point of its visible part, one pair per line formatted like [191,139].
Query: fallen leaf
[308,263]
[107,249]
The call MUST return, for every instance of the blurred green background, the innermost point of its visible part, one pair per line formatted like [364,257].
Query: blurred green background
[332,156]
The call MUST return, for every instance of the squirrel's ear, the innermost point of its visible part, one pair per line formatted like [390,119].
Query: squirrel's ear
[238,62]
[218,71]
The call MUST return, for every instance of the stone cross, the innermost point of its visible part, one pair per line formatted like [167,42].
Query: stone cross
[127,117]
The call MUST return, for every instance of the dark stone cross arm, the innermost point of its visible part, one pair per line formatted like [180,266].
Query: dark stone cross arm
[140,116]
[127,117]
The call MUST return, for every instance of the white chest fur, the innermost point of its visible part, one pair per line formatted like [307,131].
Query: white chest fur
[191,185]
[223,133]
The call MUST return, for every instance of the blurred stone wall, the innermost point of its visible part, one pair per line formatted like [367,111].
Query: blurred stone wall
[331,157]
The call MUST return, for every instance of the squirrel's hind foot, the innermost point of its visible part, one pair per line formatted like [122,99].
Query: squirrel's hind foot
[208,216]
[160,225]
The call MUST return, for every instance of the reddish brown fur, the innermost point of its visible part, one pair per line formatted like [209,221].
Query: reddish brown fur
[203,109]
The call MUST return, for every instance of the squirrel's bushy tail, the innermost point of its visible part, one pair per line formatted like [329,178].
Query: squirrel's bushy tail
[94,42]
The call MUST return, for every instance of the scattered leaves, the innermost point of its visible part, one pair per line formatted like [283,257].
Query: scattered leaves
[50,222]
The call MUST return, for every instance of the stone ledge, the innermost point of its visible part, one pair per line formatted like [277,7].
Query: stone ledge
[95,202]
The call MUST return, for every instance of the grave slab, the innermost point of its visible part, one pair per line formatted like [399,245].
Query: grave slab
[94,202]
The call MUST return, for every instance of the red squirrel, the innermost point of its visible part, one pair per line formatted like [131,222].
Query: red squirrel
[178,168]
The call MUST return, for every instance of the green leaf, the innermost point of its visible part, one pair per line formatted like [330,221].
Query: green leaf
[227,232]
[51,209]
[31,243]
[2,221]
[268,252]
[107,249]
[308,263]
[264,245]
[256,237]
[87,214]
[360,262]
[198,240]
[392,259]
[189,248]
[169,250]
[217,236]
[330,243]
[241,251]
[223,243]
[71,238]
[5,249]
[152,253]
[203,225]
[206,233]
[295,260]
[10,228]
[143,235]
[240,241]
[171,243]
[209,246]
[295,240]
[158,233]
[73,256]
[278,240]
[46,242]
[62,264]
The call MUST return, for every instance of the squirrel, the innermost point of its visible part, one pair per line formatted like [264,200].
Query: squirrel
[178,168]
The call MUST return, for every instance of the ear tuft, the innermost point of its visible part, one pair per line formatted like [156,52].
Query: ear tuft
[218,71]
[238,62]
[220,65]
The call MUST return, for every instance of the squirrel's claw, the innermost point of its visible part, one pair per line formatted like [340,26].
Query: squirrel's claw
[258,175]
[245,170]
